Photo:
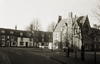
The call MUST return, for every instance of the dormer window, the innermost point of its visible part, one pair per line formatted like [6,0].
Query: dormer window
[21,33]
[11,32]
[2,31]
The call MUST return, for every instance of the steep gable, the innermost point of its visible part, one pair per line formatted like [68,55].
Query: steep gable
[60,24]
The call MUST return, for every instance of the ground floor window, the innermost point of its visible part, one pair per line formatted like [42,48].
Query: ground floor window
[21,43]
[30,44]
[99,46]
[3,43]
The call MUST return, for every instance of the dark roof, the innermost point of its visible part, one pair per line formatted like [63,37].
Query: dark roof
[16,32]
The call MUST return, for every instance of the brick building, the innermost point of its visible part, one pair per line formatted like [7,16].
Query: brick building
[20,38]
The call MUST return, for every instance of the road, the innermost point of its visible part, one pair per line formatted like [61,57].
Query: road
[16,56]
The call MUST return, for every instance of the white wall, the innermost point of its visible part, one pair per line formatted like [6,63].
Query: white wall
[30,43]
[58,39]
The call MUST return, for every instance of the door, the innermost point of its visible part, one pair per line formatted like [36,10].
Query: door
[26,44]
[8,44]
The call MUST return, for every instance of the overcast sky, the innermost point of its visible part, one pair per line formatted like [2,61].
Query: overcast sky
[22,12]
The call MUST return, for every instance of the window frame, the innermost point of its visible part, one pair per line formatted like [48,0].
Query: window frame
[3,37]
[2,31]
[21,43]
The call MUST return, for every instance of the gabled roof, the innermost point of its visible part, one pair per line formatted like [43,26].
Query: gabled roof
[60,24]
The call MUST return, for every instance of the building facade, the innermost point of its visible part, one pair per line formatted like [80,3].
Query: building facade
[20,38]
[68,32]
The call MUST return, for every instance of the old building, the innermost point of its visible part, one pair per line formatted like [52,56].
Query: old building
[68,32]
[11,37]
[20,38]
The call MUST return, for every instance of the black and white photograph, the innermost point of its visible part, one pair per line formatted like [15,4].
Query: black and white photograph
[49,31]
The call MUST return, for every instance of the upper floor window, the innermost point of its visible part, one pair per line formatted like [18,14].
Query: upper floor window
[2,31]
[11,32]
[49,36]
[36,35]
[3,37]
[12,37]
[8,37]
[42,35]
[37,39]
[21,33]
[42,40]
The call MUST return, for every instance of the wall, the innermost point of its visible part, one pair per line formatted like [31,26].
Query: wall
[56,41]
[30,43]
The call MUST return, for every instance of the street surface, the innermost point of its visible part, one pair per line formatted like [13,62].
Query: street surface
[16,56]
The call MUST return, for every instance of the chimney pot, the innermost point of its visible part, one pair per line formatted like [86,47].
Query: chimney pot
[70,15]
[75,16]
[16,27]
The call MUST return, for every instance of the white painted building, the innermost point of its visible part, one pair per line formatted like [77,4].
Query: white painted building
[25,42]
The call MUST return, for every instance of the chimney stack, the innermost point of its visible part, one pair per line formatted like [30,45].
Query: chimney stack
[59,18]
[75,16]
[70,15]
[16,27]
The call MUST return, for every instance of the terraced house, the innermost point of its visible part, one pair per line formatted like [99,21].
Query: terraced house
[10,37]
[68,32]
[20,38]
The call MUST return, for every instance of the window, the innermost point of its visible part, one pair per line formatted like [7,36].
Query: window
[42,35]
[42,40]
[11,32]
[21,43]
[3,43]
[37,35]
[37,40]
[3,37]
[21,33]
[2,31]
[49,36]
[8,37]
[12,37]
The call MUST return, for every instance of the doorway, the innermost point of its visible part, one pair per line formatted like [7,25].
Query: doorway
[8,44]
[26,44]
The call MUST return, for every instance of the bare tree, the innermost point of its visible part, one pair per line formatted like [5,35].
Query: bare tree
[34,25]
[96,11]
[51,27]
